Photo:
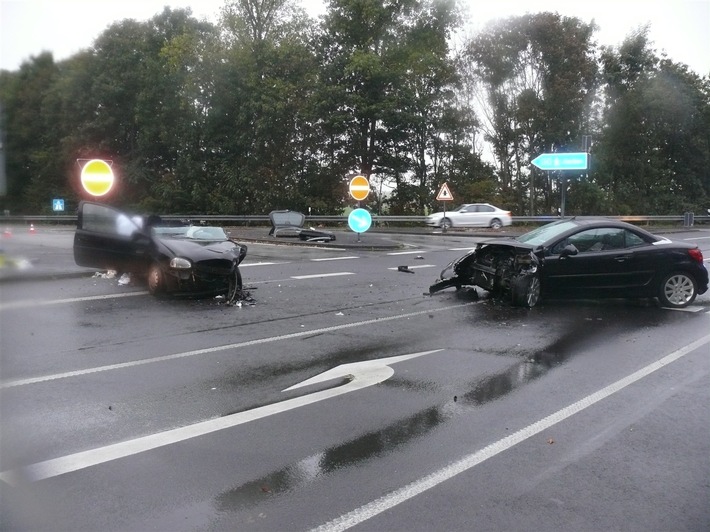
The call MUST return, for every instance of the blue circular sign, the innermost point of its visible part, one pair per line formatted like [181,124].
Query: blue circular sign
[359,220]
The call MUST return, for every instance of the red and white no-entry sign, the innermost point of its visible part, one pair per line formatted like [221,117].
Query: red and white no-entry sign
[97,177]
[359,187]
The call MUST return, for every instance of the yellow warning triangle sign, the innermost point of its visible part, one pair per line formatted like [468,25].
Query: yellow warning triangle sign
[444,193]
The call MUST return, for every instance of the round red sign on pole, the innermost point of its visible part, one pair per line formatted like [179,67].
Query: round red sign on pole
[359,187]
[97,177]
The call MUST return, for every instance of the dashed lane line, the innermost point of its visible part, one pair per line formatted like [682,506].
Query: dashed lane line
[325,259]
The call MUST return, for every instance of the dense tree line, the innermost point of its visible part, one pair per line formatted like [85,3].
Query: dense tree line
[271,109]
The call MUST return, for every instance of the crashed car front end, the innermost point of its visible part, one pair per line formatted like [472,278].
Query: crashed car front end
[196,265]
[205,276]
[496,267]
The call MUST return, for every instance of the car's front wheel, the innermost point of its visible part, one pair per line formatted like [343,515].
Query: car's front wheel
[235,287]
[525,290]
[677,290]
[445,223]
[156,280]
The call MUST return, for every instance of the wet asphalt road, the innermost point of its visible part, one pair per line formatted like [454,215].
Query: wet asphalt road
[570,416]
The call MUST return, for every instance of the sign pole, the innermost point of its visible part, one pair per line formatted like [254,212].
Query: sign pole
[358,233]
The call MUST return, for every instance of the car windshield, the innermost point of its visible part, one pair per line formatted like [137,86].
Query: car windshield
[189,232]
[546,232]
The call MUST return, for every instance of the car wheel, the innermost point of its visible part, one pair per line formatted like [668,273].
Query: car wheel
[156,280]
[445,223]
[525,290]
[235,286]
[677,290]
[496,223]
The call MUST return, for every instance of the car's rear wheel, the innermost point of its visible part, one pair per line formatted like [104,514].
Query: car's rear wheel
[445,223]
[525,290]
[496,223]
[678,290]
[156,280]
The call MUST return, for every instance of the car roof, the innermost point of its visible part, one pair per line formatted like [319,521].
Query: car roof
[600,220]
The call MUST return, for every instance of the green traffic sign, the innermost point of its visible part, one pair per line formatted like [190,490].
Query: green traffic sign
[562,161]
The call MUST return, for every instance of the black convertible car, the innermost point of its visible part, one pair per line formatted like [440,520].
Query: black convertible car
[582,258]
[175,258]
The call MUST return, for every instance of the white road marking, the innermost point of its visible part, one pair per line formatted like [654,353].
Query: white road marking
[462,249]
[360,374]
[333,258]
[410,491]
[43,303]
[245,265]
[318,275]
[406,252]
[698,238]
[210,350]
[689,308]
[416,267]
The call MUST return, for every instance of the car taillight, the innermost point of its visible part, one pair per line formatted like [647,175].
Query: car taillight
[696,255]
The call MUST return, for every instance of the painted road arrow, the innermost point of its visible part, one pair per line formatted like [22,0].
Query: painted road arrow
[358,375]
[562,161]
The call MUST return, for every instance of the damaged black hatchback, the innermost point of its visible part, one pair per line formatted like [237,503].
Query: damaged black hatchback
[174,257]
[582,258]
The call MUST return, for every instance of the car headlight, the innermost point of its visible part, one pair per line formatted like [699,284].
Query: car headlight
[180,264]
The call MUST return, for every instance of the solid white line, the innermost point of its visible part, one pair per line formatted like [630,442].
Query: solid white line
[698,238]
[209,350]
[41,303]
[409,491]
[365,374]
[318,275]
[333,258]
[462,249]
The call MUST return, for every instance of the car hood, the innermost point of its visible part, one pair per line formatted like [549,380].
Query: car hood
[509,242]
[201,249]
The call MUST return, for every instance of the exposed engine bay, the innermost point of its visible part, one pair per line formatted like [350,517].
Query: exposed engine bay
[503,270]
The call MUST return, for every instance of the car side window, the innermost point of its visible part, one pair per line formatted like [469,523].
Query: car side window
[633,240]
[98,218]
[485,208]
[593,240]
[103,219]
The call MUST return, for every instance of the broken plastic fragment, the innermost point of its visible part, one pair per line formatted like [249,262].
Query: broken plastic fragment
[404,269]
[125,279]
[110,274]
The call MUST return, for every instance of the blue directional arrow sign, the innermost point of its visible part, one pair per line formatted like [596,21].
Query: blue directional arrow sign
[562,161]
[359,220]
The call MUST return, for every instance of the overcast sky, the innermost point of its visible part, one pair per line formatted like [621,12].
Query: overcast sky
[681,28]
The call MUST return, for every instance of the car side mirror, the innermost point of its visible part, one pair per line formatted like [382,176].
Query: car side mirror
[569,250]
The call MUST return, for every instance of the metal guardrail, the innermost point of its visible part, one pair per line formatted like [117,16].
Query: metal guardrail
[263,219]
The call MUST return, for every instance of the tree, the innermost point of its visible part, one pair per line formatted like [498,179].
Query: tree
[32,136]
[259,114]
[538,73]
[653,150]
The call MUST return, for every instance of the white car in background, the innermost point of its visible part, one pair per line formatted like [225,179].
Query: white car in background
[471,215]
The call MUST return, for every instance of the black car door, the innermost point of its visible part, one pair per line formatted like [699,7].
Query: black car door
[603,265]
[109,239]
